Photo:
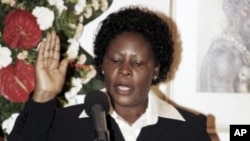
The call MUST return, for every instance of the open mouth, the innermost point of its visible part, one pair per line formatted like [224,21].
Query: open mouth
[123,89]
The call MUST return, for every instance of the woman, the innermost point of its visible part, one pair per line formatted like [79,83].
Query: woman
[133,51]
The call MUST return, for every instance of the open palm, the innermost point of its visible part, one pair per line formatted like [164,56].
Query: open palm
[50,71]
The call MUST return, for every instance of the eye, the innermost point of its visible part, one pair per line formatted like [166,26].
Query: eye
[116,61]
[138,63]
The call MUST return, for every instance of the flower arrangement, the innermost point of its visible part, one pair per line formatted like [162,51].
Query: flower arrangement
[24,24]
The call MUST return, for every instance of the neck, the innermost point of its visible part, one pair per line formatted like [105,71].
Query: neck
[132,113]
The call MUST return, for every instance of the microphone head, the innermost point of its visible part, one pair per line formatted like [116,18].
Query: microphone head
[96,97]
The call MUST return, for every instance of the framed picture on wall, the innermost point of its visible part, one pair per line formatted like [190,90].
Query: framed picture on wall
[213,75]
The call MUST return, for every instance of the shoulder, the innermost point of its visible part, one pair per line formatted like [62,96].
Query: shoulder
[191,116]
[192,128]
[192,121]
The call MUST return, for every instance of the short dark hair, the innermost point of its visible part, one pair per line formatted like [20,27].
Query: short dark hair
[143,21]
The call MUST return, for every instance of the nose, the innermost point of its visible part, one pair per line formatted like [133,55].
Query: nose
[125,69]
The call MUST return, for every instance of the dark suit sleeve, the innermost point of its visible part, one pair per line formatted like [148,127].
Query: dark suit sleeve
[34,122]
[203,128]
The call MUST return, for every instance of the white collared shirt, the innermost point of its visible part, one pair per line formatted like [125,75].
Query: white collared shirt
[156,108]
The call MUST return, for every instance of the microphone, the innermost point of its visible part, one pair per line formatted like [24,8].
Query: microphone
[97,107]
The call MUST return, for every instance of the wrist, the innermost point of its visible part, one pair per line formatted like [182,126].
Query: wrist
[43,96]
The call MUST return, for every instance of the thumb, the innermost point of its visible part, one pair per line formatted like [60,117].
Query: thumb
[64,65]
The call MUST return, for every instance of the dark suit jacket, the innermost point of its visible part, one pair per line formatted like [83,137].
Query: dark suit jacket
[43,122]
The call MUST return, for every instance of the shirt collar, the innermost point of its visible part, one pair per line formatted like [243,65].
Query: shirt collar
[156,108]
[160,108]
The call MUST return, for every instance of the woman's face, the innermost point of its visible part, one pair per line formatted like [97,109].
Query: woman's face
[129,68]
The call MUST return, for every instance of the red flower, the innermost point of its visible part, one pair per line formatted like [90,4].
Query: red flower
[21,30]
[17,81]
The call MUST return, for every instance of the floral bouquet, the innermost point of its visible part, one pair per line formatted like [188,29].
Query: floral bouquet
[24,24]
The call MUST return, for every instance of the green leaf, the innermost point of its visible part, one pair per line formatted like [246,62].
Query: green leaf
[7,108]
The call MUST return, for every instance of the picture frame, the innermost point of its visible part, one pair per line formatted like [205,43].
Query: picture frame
[225,108]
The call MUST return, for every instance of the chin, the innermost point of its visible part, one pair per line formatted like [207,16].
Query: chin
[122,102]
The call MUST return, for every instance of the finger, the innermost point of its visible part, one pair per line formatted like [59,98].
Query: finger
[53,38]
[52,44]
[57,44]
[64,65]
[56,54]
[40,57]
[47,50]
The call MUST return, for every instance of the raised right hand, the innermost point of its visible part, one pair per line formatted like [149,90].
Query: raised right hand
[50,72]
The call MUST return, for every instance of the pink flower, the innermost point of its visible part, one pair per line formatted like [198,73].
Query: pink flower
[21,30]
